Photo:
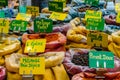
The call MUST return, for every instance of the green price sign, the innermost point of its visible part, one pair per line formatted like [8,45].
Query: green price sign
[92,2]
[101,59]
[22,9]
[55,6]
[3,3]
[64,2]
[95,24]
[43,25]
[93,14]
[2,14]
[18,25]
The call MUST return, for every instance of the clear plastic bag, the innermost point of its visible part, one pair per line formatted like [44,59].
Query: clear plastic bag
[73,69]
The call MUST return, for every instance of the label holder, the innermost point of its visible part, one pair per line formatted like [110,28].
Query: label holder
[29,76]
[99,48]
[99,76]
[16,31]
[98,70]
[32,54]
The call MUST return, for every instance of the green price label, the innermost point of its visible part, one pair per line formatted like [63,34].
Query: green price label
[95,24]
[18,25]
[2,14]
[22,9]
[92,2]
[43,25]
[55,6]
[93,14]
[3,3]
[101,59]
[64,2]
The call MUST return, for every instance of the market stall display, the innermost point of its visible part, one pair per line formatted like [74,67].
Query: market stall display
[58,41]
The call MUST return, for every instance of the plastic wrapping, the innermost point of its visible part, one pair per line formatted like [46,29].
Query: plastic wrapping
[53,58]
[2,73]
[9,45]
[73,68]
[12,62]
[13,76]
[91,76]
[111,20]
[63,28]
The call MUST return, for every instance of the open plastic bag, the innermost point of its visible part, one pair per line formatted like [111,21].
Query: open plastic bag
[74,68]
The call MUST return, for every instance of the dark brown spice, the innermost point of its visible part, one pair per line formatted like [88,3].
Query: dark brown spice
[81,59]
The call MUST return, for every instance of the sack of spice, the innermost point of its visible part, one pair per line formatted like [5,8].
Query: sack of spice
[54,41]
[77,60]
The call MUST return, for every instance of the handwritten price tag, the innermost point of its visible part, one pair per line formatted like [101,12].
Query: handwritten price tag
[32,65]
[56,6]
[63,1]
[101,59]
[93,14]
[34,11]
[95,24]
[23,16]
[58,16]
[18,25]
[118,18]
[36,45]
[92,2]
[4,26]
[43,25]
[97,39]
